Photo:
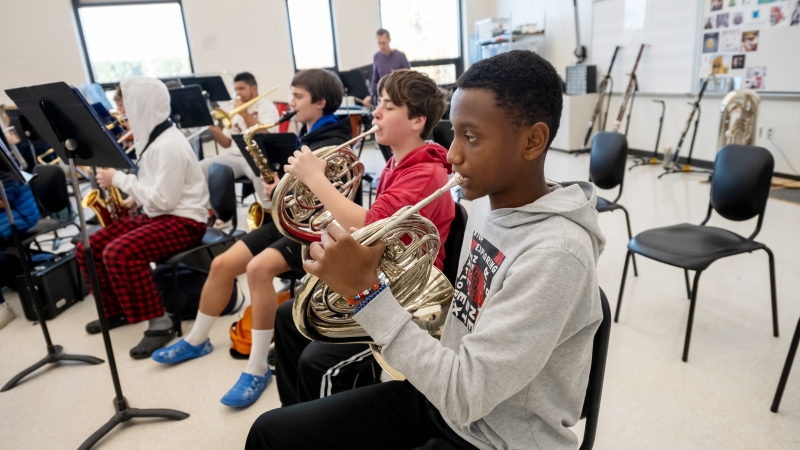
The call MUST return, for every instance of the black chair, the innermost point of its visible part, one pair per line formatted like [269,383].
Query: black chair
[786,369]
[50,190]
[452,252]
[223,202]
[594,391]
[739,191]
[247,188]
[607,171]
[443,133]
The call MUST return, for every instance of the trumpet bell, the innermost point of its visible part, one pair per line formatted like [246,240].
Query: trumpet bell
[255,216]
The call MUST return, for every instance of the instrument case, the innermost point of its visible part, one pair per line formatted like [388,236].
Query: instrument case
[59,285]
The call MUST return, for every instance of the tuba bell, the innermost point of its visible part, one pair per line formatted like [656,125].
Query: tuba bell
[297,212]
[739,118]
[407,266]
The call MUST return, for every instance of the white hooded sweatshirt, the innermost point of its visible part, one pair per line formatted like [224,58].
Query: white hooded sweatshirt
[170,181]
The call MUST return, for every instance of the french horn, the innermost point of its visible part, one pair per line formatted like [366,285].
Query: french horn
[407,266]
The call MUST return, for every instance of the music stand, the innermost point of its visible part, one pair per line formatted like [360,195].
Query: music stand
[54,352]
[213,85]
[276,148]
[74,130]
[189,107]
[354,83]
[24,129]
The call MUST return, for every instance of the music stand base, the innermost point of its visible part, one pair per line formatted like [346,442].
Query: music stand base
[684,168]
[642,161]
[55,355]
[124,414]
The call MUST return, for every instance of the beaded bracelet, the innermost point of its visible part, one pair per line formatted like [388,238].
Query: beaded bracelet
[370,295]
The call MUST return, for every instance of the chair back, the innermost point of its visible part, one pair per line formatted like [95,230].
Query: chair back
[50,188]
[452,246]
[607,159]
[591,403]
[741,182]
[443,133]
[222,192]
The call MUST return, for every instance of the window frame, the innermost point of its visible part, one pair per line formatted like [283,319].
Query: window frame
[76,5]
[335,67]
[458,61]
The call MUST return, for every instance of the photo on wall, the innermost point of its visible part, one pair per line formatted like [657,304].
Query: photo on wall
[709,23]
[756,17]
[711,42]
[756,77]
[749,41]
[722,20]
[716,5]
[731,3]
[779,15]
[796,13]
[720,64]
[730,41]
[737,62]
[738,18]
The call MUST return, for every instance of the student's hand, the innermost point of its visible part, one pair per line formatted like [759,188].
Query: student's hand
[2,205]
[13,138]
[237,102]
[343,264]
[130,205]
[104,176]
[269,188]
[366,101]
[305,166]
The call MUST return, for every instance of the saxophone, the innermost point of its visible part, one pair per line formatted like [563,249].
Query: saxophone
[256,212]
[108,208]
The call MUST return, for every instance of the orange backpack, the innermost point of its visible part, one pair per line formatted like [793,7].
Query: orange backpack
[241,336]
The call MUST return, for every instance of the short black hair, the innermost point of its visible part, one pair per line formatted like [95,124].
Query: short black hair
[525,85]
[247,77]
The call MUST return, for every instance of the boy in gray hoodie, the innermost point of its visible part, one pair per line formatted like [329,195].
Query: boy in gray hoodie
[513,362]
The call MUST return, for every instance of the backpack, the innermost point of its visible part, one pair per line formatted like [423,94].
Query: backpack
[190,283]
[241,330]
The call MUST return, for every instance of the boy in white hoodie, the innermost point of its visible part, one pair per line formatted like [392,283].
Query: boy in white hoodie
[172,192]
[513,362]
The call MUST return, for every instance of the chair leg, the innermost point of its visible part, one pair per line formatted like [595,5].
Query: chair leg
[688,287]
[786,369]
[179,303]
[691,317]
[622,285]
[773,291]
[630,236]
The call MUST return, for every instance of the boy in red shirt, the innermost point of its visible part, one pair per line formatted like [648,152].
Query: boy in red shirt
[410,105]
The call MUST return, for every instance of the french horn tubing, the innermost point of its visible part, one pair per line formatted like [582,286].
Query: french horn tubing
[407,266]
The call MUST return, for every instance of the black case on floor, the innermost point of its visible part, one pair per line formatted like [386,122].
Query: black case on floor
[59,284]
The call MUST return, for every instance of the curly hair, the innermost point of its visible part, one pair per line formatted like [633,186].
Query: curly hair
[525,85]
[417,91]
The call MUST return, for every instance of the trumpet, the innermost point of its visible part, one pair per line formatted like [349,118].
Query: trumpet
[298,214]
[256,212]
[407,266]
[108,208]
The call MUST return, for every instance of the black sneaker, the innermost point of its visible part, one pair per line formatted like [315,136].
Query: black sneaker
[93,327]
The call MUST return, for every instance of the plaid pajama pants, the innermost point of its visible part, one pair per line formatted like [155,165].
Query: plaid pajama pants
[122,254]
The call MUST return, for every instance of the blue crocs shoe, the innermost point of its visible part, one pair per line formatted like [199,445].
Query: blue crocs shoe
[247,390]
[181,351]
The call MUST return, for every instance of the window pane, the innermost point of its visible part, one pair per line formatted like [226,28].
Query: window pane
[130,40]
[422,29]
[312,35]
[443,74]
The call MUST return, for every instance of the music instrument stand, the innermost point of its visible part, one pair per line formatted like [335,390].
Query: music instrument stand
[54,352]
[189,108]
[653,160]
[687,168]
[72,127]
[213,85]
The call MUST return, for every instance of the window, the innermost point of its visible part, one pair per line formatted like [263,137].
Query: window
[428,32]
[311,30]
[129,38]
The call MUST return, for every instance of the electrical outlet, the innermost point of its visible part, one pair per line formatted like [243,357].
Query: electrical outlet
[770,132]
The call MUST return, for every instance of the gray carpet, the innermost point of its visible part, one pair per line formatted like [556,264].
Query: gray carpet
[790,195]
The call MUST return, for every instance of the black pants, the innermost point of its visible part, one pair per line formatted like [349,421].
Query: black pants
[307,370]
[391,415]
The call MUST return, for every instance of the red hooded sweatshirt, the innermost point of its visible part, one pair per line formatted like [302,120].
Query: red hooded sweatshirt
[418,175]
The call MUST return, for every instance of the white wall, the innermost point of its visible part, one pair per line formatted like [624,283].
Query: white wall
[39,44]
[356,23]
[781,113]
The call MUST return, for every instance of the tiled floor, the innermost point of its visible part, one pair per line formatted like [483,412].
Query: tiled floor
[652,400]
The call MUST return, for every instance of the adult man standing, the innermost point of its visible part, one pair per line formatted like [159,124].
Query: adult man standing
[384,62]
[263,111]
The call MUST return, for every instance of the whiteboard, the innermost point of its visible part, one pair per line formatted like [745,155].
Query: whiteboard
[770,62]
[671,28]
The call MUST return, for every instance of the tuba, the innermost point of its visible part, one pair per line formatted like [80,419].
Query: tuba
[739,118]
[108,208]
[256,212]
[298,213]
[407,266]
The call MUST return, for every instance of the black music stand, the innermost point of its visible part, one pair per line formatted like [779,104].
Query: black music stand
[67,122]
[25,130]
[212,85]
[189,107]
[54,352]
[276,148]
[354,83]
[653,160]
